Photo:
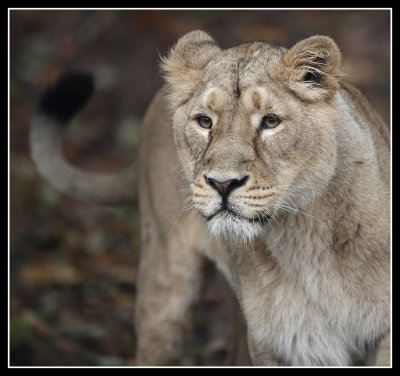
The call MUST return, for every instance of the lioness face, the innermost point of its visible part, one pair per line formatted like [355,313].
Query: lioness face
[252,148]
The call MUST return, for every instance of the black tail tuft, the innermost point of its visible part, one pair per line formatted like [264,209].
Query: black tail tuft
[67,96]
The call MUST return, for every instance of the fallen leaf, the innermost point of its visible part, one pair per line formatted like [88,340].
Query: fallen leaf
[48,272]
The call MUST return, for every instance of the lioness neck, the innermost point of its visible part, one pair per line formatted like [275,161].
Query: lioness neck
[326,234]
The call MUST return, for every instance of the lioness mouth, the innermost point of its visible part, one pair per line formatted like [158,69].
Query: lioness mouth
[235,216]
[260,219]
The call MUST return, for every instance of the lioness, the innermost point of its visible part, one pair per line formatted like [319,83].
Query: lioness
[264,160]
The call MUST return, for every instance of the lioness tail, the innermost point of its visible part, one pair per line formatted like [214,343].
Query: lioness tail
[56,107]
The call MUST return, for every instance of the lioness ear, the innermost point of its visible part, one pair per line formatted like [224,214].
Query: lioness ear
[183,66]
[311,68]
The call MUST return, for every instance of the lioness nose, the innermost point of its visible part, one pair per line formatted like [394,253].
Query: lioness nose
[226,187]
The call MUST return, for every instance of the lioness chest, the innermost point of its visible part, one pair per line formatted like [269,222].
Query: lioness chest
[292,319]
[298,306]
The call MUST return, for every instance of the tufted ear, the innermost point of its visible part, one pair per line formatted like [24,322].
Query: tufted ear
[183,66]
[311,68]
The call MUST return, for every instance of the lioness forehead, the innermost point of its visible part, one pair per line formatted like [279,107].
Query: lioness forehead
[237,69]
[254,98]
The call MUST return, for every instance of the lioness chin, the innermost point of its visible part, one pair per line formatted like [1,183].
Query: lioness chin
[282,180]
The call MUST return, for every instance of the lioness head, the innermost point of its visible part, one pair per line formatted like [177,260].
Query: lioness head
[254,126]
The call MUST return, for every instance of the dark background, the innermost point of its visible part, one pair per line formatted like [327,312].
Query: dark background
[73,264]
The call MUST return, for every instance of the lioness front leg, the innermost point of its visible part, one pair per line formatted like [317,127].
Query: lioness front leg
[168,288]
[262,355]
[383,351]
[379,354]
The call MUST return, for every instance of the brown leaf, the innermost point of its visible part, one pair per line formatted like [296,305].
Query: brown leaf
[47,272]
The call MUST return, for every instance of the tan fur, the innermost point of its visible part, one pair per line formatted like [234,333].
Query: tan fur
[307,252]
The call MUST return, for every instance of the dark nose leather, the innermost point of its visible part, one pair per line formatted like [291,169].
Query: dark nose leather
[224,188]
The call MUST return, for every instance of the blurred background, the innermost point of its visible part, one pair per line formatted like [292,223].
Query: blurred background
[73,264]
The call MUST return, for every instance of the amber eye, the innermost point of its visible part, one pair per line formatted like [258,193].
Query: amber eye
[270,121]
[204,121]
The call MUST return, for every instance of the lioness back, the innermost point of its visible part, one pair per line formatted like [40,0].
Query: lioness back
[372,122]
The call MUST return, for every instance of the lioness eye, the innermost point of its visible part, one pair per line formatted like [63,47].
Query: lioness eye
[270,121]
[204,121]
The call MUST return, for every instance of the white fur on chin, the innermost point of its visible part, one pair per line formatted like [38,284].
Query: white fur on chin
[231,227]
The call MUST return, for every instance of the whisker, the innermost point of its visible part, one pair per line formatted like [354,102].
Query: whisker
[311,187]
[177,219]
